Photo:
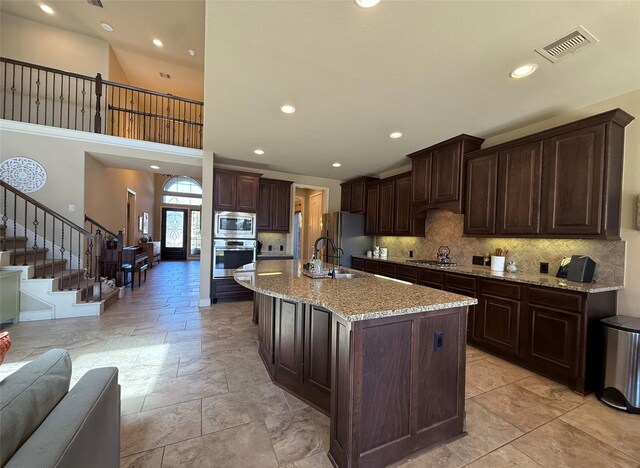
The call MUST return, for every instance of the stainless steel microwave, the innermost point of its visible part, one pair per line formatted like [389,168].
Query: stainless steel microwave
[234,225]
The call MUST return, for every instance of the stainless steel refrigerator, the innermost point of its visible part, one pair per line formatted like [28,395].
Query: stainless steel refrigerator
[347,231]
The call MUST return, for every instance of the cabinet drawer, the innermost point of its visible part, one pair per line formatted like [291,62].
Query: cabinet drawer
[387,269]
[430,276]
[460,281]
[407,273]
[357,263]
[557,299]
[371,266]
[501,288]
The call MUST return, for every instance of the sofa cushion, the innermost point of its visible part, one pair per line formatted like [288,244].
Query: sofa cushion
[28,396]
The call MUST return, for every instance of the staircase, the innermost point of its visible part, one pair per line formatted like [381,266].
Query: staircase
[56,264]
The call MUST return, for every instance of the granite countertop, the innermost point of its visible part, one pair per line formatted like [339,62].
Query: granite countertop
[361,298]
[527,278]
[275,255]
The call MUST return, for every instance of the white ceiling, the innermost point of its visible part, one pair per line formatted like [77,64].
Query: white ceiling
[429,69]
[178,23]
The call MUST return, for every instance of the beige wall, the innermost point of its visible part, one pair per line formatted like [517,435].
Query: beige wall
[38,43]
[116,73]
[106,195]
[629,298]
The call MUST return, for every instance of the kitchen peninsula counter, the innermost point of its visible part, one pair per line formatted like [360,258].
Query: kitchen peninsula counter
[384,359]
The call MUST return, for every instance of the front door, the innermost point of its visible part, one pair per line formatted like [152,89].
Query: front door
[174,233]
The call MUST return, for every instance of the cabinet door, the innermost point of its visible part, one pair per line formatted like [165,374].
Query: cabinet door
[519,187]
[385,216]
[480,198]
[288,350]
[247,193]
[445,174]
[224,194]
[471,316]
[264,206]
[265,304]
[358,195]
[497,323]
[401,213]
[421,179]
[345,198]
[281,207]
[553,340]
[373,208]
[574,170]
[317,358]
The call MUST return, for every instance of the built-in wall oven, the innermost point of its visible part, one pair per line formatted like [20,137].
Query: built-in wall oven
[230,254]
[234,225]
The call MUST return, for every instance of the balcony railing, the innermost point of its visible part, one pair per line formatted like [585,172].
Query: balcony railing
[56,98]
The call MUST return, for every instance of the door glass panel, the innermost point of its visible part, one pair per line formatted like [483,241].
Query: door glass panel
[195,234]
[174,229]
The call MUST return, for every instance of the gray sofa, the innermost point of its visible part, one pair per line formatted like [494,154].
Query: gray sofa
[43,424]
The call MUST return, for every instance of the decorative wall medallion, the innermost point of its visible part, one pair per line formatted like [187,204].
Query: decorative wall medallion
[25,174]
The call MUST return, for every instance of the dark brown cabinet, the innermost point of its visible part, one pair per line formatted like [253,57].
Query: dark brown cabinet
[265,313]
[386,206]
[353,197]
[497,323]
[563,182]
[520,185]
[274,205]
[288,343]
[480,201]
[373,204]
[317,355]
[389,208]
[235,191]
[574,178]
[437,174]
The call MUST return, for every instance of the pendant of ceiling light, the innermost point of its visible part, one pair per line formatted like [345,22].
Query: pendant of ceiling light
[366,3]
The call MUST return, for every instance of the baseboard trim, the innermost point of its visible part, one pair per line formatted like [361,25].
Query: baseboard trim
[204,302]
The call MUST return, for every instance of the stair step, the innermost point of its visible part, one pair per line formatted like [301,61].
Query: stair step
[7,243]
[20,256]
[49,267]
[68,280]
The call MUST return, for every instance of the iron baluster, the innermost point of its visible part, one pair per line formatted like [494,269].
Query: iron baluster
[30,81]
[13,90]
[21,89]
[25,233]
[79,259]
[61,98]
[44,244]
[83,93]
[53,248]
[53,102]
[97,126]
[70,262]
[35,242]
[15,232]
[38,98]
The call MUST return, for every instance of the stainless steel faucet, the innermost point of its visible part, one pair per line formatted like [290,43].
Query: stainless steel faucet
[336,252]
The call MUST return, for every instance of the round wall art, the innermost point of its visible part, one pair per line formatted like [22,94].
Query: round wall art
[25,174]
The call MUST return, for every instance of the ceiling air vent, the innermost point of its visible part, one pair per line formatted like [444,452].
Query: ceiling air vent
[97,3]
[577,39]
[165,75]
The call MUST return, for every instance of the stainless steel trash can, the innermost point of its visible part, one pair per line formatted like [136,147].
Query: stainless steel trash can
[622,363]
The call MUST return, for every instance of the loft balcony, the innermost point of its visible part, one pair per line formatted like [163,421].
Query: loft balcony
[56,98]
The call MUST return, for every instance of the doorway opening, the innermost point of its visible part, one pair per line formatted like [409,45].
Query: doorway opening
[181,215]
[310,204]
[131,218]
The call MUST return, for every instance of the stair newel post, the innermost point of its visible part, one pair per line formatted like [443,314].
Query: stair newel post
[97,256]
[44,244]
[97,125]
[119,281]
[35,242]
[15,229]
[70,262]
[53,247]
[24,263]
[80,259]
[62,249]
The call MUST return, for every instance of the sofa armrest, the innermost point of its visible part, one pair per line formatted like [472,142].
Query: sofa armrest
[82,430]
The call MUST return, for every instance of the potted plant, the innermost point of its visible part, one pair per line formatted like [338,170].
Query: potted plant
[111,242]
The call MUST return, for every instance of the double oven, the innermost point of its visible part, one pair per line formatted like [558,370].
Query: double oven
[234,242]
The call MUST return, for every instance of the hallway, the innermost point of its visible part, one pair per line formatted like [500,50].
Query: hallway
[195,392]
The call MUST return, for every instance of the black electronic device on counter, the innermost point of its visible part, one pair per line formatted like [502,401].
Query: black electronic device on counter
[581,269]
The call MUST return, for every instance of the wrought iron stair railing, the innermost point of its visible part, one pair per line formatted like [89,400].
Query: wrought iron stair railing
[55,246]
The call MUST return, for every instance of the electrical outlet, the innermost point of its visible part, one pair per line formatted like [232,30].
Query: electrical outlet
[544,267]
[269,248]
[438,341]
[281,248]
[477,260]
[410,253]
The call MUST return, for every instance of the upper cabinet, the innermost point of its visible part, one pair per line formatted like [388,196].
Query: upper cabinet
[437,177]
[563,182]
[389,208]
[354,195]
[274,205]
[235,190]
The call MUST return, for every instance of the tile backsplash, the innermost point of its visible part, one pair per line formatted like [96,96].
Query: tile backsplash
[445,228]
[275,240]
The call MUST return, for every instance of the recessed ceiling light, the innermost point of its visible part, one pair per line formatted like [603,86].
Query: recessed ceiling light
[367,3]
[288,109]
[336,164]
[395,135]
[107,27]
[155,167]
[157,42]
[524,70]
[47,9]
[258,151]
[192,52]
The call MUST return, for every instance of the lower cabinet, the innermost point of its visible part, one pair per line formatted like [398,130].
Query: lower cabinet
[497,323]
[295,345]
[228,289]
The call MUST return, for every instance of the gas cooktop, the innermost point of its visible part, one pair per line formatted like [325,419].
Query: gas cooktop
[432,263]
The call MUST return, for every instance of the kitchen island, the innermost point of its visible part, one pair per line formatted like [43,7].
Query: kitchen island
[385,359]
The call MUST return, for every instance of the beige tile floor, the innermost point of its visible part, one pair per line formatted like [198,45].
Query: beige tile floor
[195,393]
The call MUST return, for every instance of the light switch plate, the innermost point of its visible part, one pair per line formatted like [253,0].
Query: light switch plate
[72,207]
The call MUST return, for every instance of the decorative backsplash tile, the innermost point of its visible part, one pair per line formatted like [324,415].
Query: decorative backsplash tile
[445,228]
[275,240]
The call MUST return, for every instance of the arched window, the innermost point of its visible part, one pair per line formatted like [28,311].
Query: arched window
[182,190]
